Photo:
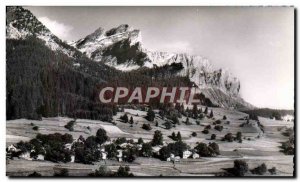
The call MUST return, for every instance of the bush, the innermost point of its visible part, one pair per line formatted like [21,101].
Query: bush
[218,122]
[168,125]
[35,174]
[218,127]
[260,170]
[147,127]
[194,134]
[240,168]
[213,137]
[208,127]
[157,138]
[101,172]
[205,131]
[123,172]
[62,173]
[215,148]
[228,137]
[70,125]
[35,128]
[272,170]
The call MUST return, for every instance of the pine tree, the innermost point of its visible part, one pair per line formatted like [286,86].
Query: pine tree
[131,120]
[211,115]
[178,137]
[206,110]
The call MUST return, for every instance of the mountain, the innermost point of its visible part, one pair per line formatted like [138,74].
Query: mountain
[121,48]
[21,23]
[46,77]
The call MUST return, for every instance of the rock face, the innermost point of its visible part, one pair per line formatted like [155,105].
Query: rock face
[21,23]
[121,48]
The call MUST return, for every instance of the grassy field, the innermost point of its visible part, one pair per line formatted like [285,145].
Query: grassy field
[256,148]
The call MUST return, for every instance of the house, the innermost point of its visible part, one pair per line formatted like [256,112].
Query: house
[156,149]
[103,154]
[12,148]
[40,157]
[25,155]
[186,154]
[72,158]
[196,156]
[177,159]
[173,158]
[120,155]
[68,146]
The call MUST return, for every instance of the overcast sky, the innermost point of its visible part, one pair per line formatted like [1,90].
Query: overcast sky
[256,44]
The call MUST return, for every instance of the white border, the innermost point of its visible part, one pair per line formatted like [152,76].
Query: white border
[4,3]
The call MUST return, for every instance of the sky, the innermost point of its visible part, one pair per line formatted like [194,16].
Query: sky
[255,43]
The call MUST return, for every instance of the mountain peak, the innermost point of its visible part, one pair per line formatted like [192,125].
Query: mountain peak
[120,29]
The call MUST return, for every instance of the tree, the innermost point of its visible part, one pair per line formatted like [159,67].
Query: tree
[240,168]
[124,118]
[213,137]
[215,148]
[35,128]
[239,136]
[175,119]
[131,120]
[178,137]
[194,134]
[150,115]
[173,136]
[224,117]
[123,172]
[262,169]
[218,127]
[140,141]
[206,110]
[101,172]
[228,137]
[111,150]
[146,150]
[164,153]
[195,111]
[211,115]
[129,155]
[101,136]
[205,151]
[146,127]
[168,125]
[205,131]
[157,138]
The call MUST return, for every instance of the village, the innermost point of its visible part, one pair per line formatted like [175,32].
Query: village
[142,133]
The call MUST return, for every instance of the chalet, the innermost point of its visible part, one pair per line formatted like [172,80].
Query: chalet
[186,154]
[120,155]
[196,156]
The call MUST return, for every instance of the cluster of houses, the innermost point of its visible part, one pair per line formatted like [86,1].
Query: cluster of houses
[103,154]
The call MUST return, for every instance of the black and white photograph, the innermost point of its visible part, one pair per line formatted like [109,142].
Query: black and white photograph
[150,91]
